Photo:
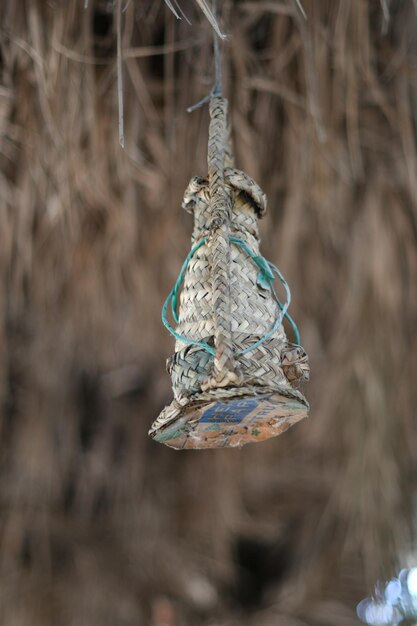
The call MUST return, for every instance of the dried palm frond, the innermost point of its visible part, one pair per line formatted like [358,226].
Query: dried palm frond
[178,12]
[99,524]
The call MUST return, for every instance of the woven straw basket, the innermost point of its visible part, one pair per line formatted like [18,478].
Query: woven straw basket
[233,369]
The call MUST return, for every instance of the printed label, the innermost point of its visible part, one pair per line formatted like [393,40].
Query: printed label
[235,411]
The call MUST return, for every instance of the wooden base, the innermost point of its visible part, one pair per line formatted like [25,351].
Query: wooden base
[231,423]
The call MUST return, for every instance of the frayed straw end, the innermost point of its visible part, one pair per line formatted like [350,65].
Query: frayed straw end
[206,10]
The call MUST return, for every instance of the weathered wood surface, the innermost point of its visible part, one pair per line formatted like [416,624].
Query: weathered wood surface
[232,423]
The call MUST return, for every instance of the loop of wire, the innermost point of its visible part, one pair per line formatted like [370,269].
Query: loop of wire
[268,271]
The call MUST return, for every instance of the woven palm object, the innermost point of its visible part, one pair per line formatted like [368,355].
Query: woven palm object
[233,371]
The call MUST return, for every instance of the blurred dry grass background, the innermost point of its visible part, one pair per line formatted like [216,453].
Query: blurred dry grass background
[99,525]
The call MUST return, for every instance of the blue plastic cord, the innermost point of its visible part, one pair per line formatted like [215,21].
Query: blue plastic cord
[291,322]
[174,301]
[173,298]
[267,271]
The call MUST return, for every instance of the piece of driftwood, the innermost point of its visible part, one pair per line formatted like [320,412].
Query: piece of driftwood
[233,372]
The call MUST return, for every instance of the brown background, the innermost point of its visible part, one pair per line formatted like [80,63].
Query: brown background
[99,525]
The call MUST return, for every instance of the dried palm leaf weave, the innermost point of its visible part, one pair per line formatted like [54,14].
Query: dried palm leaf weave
[233,371]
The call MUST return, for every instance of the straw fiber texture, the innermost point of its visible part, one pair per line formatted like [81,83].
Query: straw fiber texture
[253,310]
[219,225]
[223,303]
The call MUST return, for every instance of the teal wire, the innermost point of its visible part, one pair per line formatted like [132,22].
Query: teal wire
[267,269]
[173,297]
[297,338]
[174,301]
[282,279]
[260,262]
[286,314]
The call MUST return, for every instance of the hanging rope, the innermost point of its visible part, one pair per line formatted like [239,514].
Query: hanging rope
[219,245]
[218,84]
[120,73]
[217,89]
[220,154]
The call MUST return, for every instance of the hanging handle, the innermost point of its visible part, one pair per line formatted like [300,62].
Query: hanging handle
[224,373]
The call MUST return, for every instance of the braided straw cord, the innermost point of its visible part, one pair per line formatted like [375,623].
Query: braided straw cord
[229,154]
[219,246]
